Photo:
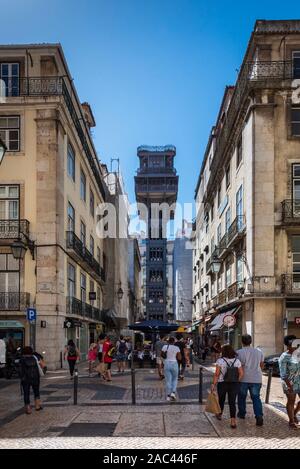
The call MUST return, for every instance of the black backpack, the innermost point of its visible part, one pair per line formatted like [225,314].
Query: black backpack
[122,348]
[232,373]
[72,351]
[29,370]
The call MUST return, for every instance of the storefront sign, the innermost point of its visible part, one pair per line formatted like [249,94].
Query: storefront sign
[297,321]
[71,323]
[11,325]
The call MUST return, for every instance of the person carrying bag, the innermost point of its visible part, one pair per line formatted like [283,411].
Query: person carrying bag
[212,404]
[227,376]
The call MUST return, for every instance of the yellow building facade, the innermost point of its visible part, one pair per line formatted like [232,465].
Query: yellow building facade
[50,185]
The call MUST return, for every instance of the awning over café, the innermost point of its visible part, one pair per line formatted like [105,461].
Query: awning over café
[217,322]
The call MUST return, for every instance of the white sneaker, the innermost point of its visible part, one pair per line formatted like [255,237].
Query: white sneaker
[173,397]
[168,398]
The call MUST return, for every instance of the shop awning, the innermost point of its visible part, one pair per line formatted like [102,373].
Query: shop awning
[217,323]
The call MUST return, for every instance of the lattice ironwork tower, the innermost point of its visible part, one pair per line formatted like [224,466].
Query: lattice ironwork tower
[156,182]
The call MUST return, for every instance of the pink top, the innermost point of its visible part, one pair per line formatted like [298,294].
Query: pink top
[92,355]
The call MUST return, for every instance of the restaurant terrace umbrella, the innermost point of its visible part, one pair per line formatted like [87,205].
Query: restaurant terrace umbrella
[153,326]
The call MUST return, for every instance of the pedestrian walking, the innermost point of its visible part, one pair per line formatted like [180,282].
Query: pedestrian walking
[71,354]
[171,355]
[121,354]
[182,362]
[107,357]
[289,367]
[92,356]
[30,373]
[252,360]
[216,350]
[159,344]
[227,376]
[129,351]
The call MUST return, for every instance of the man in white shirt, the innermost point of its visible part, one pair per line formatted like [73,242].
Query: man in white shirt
[252,361]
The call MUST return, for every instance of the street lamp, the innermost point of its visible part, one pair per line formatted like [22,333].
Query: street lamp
[3,149]
[216,265]
[120,293]
[18,249]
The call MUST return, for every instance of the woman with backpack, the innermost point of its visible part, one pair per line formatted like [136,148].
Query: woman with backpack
[30,373]
[121,354]
[71,355]
[227,376]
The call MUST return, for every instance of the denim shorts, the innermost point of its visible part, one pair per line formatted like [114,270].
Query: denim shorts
[121,357]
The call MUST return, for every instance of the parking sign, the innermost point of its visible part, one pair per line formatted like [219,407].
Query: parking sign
[31,314]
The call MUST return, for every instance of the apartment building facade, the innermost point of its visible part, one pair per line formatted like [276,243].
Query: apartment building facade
[247,229]
[50,185]
[116,245]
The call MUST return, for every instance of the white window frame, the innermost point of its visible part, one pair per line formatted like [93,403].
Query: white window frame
[295,122]
[294,54]
[71,158]
[10,76]
[5,133]
[7,199]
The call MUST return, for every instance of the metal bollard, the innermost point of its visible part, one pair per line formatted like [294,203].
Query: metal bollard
[200,385]
[75,386]
[133,386]
[270,374]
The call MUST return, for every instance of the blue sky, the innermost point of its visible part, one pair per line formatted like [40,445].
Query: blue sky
[154,71]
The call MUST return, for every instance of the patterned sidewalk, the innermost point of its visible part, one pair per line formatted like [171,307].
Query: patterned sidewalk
[104,417]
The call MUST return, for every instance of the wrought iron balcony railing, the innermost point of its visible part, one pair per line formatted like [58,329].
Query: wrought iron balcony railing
[235,229]
[290,284]
[290,211]
[84,256]
[161,171]
[77,307]
[13,229]
[14,301]
[33,86]
[156,187]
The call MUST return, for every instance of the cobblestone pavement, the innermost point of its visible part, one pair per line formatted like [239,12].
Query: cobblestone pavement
[104,417]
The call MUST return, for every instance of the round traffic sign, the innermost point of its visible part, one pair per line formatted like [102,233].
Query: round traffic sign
[229,320]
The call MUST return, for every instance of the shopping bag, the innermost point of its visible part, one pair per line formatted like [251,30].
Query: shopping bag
[100,368]
[212,404]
